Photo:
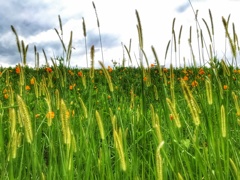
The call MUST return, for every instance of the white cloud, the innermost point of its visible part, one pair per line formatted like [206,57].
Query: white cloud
[117,22]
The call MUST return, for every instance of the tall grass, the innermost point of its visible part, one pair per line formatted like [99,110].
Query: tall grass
[58,122]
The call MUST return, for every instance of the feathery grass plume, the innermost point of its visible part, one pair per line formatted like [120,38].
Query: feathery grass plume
[119,147]
[157,128]
[60,24]
[69,50]
[159,162]
[49,118]
[36,55]
[23,110]
[19,119]
[192,104]
[46,92]
[174,41]
[64,115]
[91,72]
[57,99]
[100,125]
[232,45]
[61,37]
[226,70]
[202,45]
[173,111]
[99,33]
[235,99]
[12,120]
[83,77]
[61,77]
[152,115]
[157,61]
[45,57]
[180,176]
[179,42]
[12,146]
[175,47]
[85,38]
[165,57]
[223,122]
[24,51]
[50,83]
[208,85]
[155,92]
[235,169]
[7,78]
[107,76]
[212,27]
[172,85]
[17,41]
[42,176]
[83,107]
[209,33]
[11,96]
[139,28]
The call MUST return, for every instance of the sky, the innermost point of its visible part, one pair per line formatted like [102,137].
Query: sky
[35,21]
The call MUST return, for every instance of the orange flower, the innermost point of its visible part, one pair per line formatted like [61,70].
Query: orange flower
[27,87]
[152,65]
[109,97]
[70,72]
[225,87]
[32,81]
[80,74]
[5,91]
[201,71]
[165,70]
[48,69]
[171,117]
[194,83]
[50,115]
[6,96]
[109,69]
[71,87]
[145,78]
[185,78]
[18,70]
[37,115]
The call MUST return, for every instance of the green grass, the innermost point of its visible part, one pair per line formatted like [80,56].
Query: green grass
[59,122]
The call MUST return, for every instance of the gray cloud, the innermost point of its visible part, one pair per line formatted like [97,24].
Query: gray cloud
[183,7]
[30,18]
[108,40]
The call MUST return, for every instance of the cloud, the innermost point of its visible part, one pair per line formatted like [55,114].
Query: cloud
[182,8]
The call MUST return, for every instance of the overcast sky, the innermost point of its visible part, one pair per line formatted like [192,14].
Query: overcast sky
[35,21]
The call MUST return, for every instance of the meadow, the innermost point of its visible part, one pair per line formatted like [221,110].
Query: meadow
[154,122]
